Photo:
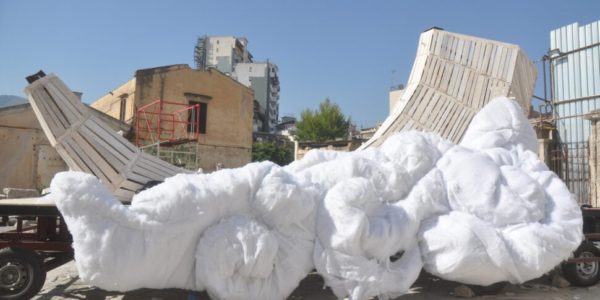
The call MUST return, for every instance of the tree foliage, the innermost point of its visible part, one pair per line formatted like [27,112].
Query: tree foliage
[326,123]
[281,154]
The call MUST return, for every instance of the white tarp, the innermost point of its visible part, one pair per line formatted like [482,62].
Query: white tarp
[484,211]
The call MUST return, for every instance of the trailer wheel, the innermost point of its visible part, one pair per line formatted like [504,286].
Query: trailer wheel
[583,273]
[22,273]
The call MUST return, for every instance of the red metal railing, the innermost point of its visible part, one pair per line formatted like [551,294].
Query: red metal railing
[161,121]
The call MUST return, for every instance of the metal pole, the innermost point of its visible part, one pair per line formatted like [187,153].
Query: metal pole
[544,71]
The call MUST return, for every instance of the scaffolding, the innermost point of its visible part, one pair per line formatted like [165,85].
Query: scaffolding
[200,53]
[169,131]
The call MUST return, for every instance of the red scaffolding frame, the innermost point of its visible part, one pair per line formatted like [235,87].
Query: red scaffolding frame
[155,124]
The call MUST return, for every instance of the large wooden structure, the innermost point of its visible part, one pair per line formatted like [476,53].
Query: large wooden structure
[452,78]
[86,144]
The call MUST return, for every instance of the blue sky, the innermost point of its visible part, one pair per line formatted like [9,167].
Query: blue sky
[350,51]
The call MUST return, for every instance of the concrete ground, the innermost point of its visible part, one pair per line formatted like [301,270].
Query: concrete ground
[64,283]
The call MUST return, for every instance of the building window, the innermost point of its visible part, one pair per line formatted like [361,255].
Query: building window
[122,109]
[197,118]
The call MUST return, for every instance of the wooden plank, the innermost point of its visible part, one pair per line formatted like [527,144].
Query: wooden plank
[69,96]
[130,185]
[476,55]
[427,115]
[464,80]
[500,56]
[158,169]
[117,161]
[68,109]
[121,140]
[444,112]
[75,154]
[432,62]
[439,75]
[445,78]
[143,170]
[455,80]
[123,194]
[48,124]
[60,148]
[457,123]
[159,163]
[458,55]
[54,109]
[465,54]
[101,166]
[484,59]
[411,106]
[424,103]
[450,121]
[115,140]
[437,111]
[105,147]
[42,101]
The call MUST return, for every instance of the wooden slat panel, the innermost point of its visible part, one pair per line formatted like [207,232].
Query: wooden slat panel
[105,148]
[55,126]
[100,164]
[67,108]
[68,95]
[111,137]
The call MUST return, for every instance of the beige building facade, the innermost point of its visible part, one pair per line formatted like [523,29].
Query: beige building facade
[224,138]
[28,159]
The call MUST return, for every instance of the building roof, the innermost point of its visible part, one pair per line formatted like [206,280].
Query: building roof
[112,122]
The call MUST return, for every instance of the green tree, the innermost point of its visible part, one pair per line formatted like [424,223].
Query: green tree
[326,123]
[281,154]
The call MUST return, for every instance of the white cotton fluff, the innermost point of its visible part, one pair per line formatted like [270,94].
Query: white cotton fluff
[511,218]
[484,211]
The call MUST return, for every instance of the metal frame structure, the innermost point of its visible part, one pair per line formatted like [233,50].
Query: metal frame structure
[156,124]
[569,159]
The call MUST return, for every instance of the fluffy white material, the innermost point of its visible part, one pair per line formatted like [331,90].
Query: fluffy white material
[484,211]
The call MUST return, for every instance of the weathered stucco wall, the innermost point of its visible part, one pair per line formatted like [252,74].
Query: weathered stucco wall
[110,103]
[26,158]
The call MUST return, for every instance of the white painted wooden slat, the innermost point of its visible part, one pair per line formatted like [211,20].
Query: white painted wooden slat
[460,75]
[67,107]
[52,128]
[105,146]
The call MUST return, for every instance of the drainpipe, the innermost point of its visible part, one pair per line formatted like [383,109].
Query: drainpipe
[268,108]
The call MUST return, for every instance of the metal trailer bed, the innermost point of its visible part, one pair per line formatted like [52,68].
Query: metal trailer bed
[38,242]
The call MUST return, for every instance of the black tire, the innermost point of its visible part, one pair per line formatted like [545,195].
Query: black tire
[22,273]
[583,273]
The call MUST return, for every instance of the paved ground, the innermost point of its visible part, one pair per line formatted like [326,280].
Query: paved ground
[63,283]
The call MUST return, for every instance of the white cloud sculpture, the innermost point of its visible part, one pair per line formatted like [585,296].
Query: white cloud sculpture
[483,211]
